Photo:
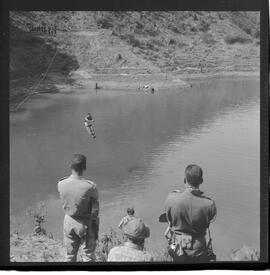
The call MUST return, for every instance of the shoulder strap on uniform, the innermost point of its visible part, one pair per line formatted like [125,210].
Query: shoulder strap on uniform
[62,179]
[205,197]
[92,183]
[200,194]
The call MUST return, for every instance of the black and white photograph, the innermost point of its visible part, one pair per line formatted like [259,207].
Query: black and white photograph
[134,136]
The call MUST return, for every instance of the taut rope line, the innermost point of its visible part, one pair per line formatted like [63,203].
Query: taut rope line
[32,93]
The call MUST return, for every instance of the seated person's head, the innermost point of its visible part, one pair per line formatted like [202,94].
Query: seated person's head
[193,175]
[136,231]
[78,163]
[130,211]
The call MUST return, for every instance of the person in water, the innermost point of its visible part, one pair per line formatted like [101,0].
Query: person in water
[88,122]
[127,218]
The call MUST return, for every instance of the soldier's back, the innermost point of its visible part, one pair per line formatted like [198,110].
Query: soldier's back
[190,211]
[75,194]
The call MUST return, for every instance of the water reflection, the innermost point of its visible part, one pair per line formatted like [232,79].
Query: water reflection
[144,142]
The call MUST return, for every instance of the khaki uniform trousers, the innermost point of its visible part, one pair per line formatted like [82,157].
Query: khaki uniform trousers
[78,234]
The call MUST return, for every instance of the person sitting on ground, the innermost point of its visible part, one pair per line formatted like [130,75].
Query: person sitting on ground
[128,217]
[88,122]
[133,249]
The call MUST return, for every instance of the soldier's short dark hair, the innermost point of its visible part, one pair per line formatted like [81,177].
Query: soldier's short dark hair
[130,211]
[194,174]
[78,163]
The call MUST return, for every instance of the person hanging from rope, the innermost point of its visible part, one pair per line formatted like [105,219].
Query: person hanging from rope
[88,122]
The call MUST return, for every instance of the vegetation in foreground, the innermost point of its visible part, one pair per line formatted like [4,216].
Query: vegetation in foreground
[40,246]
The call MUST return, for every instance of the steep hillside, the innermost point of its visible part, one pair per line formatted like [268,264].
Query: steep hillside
[113,43]
[178,41]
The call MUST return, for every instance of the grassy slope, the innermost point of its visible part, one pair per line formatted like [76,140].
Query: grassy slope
[152,40]
[41,248]
[129,42]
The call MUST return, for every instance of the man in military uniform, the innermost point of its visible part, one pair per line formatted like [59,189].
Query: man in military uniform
[79,198]
[189,214]
[132,250]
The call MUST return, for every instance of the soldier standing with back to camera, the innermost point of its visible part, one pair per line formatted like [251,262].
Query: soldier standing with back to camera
[189,214]
[80,202]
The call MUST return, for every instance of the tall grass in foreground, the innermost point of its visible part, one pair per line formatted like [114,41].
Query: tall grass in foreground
[55,249]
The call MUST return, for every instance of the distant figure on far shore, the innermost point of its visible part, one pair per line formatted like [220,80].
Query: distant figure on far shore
[201,66]
[127,218]
[96,86]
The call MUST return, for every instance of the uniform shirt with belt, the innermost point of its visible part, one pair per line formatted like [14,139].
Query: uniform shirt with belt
[129,252]
[79,198]
[189,212]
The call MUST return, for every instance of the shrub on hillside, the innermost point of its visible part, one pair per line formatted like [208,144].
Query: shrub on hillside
[193,29]
[256,34]
[233,39]
[174,28]
[183,28]
[149,46]
[204,26]
[181,44]
[139,26]
[151,30]
[195,17]
[156,42]
[39,214]
[246,22]
[208,38]
[172,41]
[130,38]
[104,23]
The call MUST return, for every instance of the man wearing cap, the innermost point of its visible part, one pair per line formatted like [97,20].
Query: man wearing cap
[132,250]
[80,202]
[189,214]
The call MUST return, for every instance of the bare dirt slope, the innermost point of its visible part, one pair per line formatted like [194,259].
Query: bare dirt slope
[95,44]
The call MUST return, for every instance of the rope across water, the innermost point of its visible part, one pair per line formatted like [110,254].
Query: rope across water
[36,86]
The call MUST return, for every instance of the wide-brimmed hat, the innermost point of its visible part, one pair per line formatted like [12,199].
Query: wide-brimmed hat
[136,229]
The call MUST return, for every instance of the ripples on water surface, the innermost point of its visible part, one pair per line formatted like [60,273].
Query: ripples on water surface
[144,142]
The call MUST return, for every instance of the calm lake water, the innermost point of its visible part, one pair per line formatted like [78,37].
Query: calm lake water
[144,142]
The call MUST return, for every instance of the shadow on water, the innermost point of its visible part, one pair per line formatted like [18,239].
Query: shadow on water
[142,143]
